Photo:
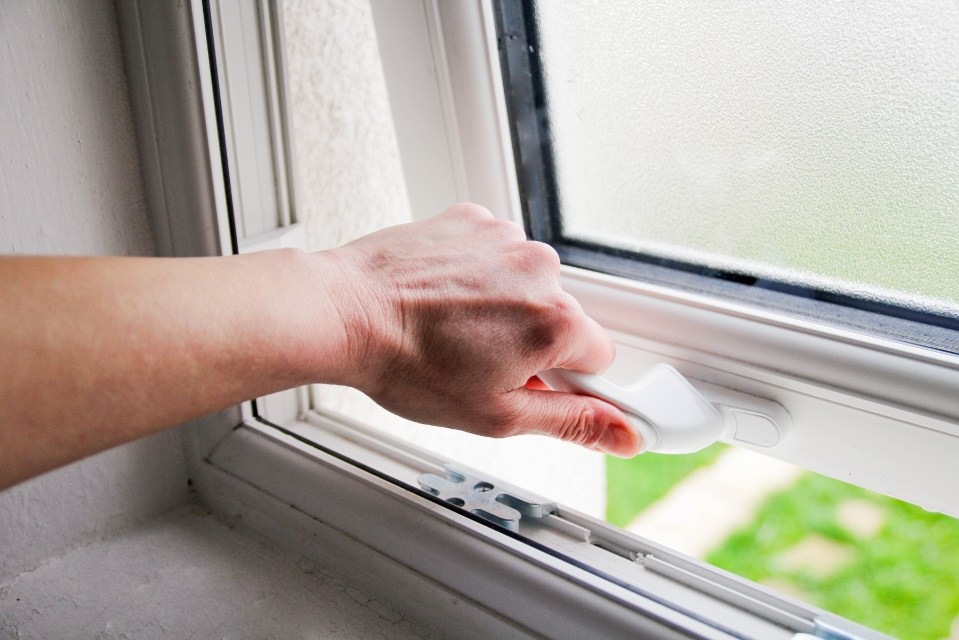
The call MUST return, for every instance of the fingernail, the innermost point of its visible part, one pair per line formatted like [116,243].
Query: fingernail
[620,440]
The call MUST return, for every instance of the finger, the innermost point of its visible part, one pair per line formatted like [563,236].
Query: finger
[589,348]
[588,422]
[536,383]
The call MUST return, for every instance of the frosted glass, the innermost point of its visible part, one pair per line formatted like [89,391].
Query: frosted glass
[811,142]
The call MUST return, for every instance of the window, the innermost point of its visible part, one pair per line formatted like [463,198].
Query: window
[297,470]
[747,162]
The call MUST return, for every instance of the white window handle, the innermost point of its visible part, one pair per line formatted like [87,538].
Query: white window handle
[673,416]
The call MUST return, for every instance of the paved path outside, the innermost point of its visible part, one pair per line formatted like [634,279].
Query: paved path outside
[701,511]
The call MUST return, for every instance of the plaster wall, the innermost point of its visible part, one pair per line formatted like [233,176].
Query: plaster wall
[70,184]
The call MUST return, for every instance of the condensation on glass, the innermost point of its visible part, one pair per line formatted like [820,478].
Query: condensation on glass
[813,143]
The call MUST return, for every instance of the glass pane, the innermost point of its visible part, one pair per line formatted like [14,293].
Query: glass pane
[811,143]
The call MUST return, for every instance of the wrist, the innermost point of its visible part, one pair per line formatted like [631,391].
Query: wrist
[360,319]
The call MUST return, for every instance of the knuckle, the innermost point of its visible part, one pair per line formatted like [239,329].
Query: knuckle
[561,316]
[553,324]
[533,257]
[470,211]
[579,427]
[567,305]
[562,313]
[508,229]
[544,254]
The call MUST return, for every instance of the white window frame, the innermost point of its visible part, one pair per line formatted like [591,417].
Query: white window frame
[287,470]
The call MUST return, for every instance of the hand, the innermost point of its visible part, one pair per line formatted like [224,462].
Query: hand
[448,321]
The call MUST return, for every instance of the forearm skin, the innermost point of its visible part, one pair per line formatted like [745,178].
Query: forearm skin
[99,351]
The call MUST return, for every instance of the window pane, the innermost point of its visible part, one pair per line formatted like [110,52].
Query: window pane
[812,143]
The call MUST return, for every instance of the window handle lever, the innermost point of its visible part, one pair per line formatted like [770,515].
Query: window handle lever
[674,416]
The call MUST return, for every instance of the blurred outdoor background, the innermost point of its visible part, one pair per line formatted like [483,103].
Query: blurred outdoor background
[878,561]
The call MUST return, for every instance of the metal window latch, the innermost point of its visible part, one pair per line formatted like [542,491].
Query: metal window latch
[675,416]
[498,502]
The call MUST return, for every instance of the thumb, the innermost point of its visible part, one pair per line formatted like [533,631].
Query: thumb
[583,420]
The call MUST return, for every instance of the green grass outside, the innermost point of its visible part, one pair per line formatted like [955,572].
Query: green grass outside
[634,484]
[904,581]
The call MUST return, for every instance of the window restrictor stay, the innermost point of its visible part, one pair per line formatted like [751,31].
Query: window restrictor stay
[675,416]
[497,502]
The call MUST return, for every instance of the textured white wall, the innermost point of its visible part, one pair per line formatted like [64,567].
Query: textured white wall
[350,182]
[349,178]
[70,184]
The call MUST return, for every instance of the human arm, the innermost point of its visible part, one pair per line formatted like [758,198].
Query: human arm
[441,321]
